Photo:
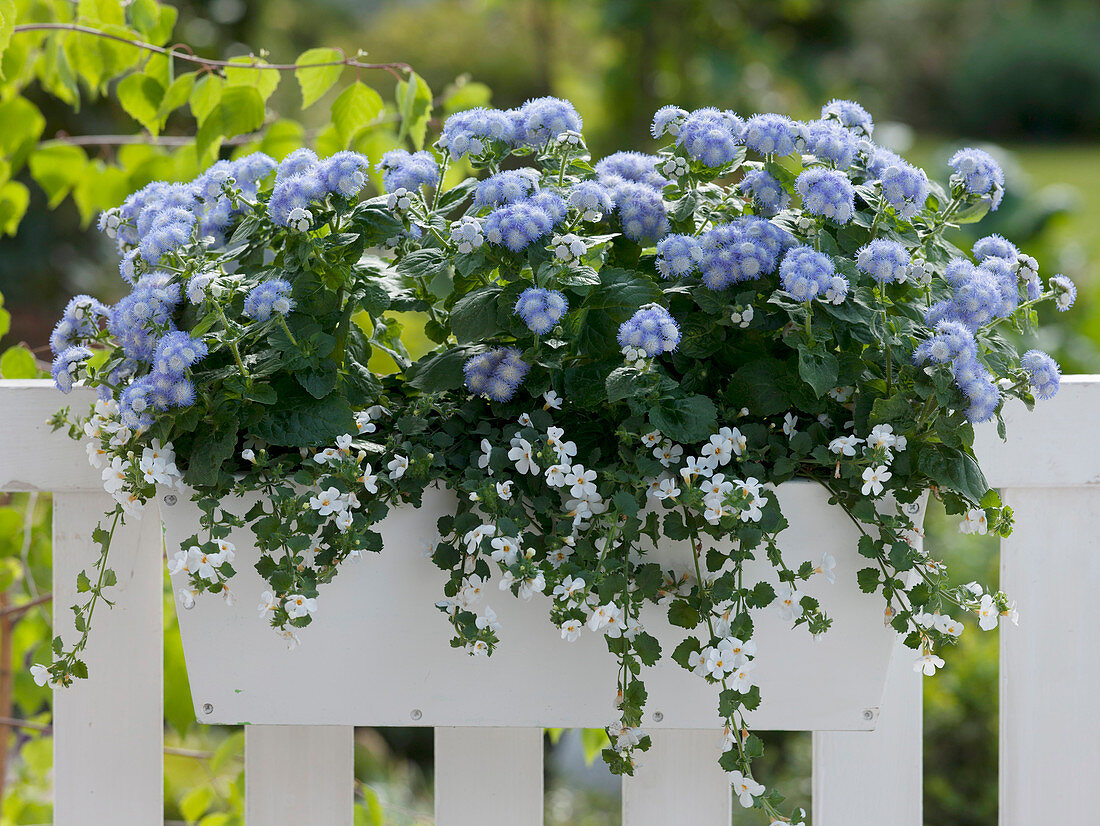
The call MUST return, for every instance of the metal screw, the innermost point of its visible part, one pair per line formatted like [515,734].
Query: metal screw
[868,714]
[187,606]
[416,714]
[658,716]
[170,499]
[912,508]
[207,708]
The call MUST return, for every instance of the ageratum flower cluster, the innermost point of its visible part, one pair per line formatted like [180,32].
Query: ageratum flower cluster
[676,332]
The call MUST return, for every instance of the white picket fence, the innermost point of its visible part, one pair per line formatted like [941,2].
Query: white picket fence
[108,731]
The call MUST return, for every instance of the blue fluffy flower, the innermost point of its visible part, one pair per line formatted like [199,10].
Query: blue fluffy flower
[298,162]
[744,249]
[591,199]
[950,341]
[766,192]
[994,246]
[541,309]
[268,298]
[138,319]
[78,323]
[667,121]
[408,170]
[677,255]
[829,141]
[134,405]
[177,352]
[651,329]
[506,187]
[544,119]
[516,226]
[496,374]
[476,132]
[827,192]
[806,273]
[1042,372]
[904,186]
[1065,292]
[771,134]
[641,212]
[295,192]
[711,136]
[168,230]
[65,365]
[885,261]
[632,166]
[346,173]
[979,173]
[850,115]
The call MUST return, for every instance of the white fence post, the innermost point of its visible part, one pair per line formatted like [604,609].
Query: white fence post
[1050,672]
[872,778]
[109,729]
[679,781]
[299,775]
[488,776]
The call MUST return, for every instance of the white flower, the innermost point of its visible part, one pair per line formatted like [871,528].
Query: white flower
[667,490]
[299,219]
[988,616]
[582,482]
[552,399]
[202,563]
[343,443]
[668,453]
[472,588]
[343,521]
[473,538]
[524,458]
[927,664]
[529,587]
[842,394]
[789,602]
[948,625]
[827,568]
[974,522]
[40,673]
[505,549]
[488,620]
[569,588]
[882,435]
[603,616]
[298,605]
[556,475]
[697,662]
[740,442]
[695,467]
[571,630]
[480,648]
[844,445]
[397,467]
[504,490]
[873,479]
[178,562]
[742,318]
[268,603]
[369,480]
[187,597]
[652,439]
[789,422]
[741,678]
[363,420]
[327,502]
[745,788]
[486,454]
[329,454]
[720,447]
[716,488]
[248,454]
[715,512]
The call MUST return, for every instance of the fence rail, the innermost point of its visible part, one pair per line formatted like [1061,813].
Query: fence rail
[108,731]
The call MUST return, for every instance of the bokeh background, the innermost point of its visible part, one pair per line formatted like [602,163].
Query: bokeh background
[1019,77]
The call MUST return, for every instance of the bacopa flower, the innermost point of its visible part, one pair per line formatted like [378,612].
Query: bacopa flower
[676,256]
[768,194]
[850,115]
[496,374]
[827,192]
[885,261]
[267,298]
[541,309]
[771,134]
[404,170]
[979,173]
[652,330]
[830,141]
[506,187]
[591,199]
[544,119]
[667,121]
[516,226]
[1043,373]
[711,136]
[806,273]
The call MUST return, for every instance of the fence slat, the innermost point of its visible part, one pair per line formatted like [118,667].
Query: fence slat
[678,781]
[1050,733]
[108,730]
[299,774]
[869,778]
[488,776]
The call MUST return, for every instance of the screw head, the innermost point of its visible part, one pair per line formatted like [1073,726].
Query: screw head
[912,508]
[658,716]
[207,708]
[416,714]
[868,714]
[170,499]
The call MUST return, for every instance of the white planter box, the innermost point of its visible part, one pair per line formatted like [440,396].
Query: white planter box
[377,652]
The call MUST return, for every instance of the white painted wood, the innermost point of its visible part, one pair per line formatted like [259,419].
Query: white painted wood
[32,457]
[678,781]
[534,678]
[108,729]
[299,775]
[488,776]
[872,778]
[1050,731]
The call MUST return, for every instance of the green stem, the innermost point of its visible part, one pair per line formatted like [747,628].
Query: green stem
[442,175]
[289,335]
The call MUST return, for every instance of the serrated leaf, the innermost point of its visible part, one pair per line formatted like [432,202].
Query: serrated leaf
[140,96]
[355,107]
[205,96]
[314,80]
[14,198]
[176,95]
[240,110]
[18,363]
[57,167]
[414,99]
[244,72]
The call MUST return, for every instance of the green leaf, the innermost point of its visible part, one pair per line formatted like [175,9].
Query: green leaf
[208,455]
[818,368]
[356,107]
[953,468]
[7,22]
[205,96]
[14,198]
[868,579]
[315,81]
[140,96]
[415,107]
[240,110]
[57,167]
[686,420]
[196,802]
[264,81]
[474,316]
[438,371]
[683,615]
[18,363]
[176,95]
[306,422]
[23,124]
